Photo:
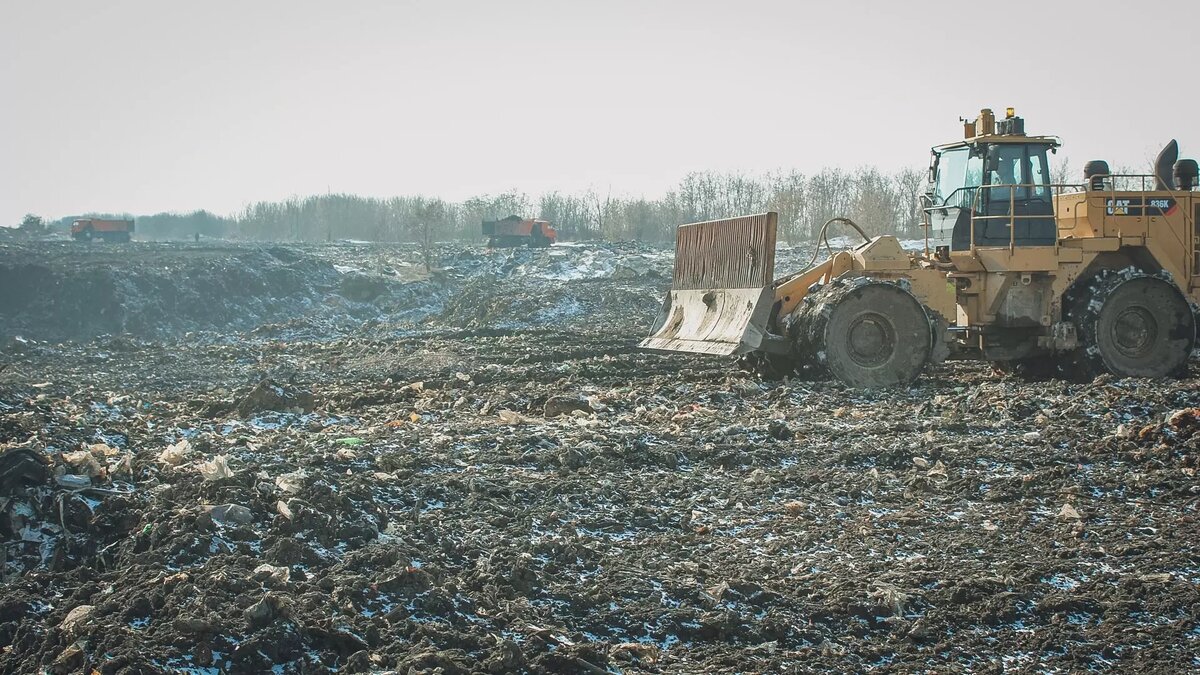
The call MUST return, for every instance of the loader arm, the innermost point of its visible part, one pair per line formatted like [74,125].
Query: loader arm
[791,291]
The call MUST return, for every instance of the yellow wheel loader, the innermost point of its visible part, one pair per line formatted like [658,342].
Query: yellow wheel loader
[1102,276]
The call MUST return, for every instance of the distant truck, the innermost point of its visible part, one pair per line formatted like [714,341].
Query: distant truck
[86,229]
[513,231]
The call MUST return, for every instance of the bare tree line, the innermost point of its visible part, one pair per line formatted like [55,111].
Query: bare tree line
[879,201]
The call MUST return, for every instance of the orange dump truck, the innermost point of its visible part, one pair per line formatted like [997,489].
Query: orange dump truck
[86,229]
[513,231]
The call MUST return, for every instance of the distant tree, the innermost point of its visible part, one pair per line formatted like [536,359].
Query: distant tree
[830,193]
[428,217]
[881,202]
[874,202]
[1063,174]
[33,225]
[570,215]
[909,182]
[599,208]
[787,199]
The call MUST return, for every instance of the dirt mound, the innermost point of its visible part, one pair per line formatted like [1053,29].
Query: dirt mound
[59,291]
[69,299]
[488,301]
[582,286]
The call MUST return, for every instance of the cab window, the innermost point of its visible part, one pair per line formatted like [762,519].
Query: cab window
[959,171]
[951,169]
[1039,172]
[1022,166]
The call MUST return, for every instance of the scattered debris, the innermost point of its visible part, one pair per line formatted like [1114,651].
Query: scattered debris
[21,465]
[76,620]
[268,396]
[291,483]
[494,481]
[278,574]
[565,405]
[510,417]
[230,513]
[215,469]
[176,453]
[73,481]
[1068,512]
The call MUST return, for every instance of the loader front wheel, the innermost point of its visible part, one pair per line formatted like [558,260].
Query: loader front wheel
[870,335]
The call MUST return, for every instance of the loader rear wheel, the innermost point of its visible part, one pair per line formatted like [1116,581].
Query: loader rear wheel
[1136,325]
[871,334]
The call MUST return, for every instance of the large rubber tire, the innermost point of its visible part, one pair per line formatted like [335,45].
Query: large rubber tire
[868,334]
[1133,324]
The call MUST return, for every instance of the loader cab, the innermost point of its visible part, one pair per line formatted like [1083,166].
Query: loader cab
[991,189]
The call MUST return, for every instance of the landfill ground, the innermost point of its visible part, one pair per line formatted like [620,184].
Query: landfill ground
[309,459]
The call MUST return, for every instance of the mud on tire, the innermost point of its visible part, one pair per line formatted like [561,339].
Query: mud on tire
[867,333]
[1132,324]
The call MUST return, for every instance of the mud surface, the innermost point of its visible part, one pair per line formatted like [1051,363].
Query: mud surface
[332,463]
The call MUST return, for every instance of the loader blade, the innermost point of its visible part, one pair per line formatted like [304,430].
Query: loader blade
[722,291]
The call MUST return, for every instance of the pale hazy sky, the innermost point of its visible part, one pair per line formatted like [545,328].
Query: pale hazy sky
[151,105]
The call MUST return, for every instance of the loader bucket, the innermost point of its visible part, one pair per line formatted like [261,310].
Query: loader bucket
[722,291]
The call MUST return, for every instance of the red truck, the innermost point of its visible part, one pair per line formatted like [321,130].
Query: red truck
[86,229]
[513,231]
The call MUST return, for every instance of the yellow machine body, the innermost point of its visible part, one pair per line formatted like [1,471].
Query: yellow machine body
[1006,282]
